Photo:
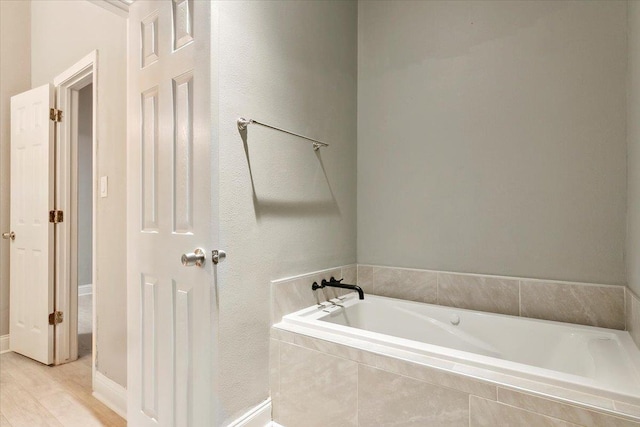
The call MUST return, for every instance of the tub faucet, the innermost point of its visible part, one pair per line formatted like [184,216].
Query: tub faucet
[337,284]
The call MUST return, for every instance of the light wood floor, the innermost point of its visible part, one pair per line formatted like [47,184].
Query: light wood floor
[32,394]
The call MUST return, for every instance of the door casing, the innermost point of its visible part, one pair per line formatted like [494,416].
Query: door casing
[67,85]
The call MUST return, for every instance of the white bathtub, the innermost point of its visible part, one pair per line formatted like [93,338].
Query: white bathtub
[597,361]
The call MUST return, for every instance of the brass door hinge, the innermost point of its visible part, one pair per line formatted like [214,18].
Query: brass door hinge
[55,115]
[56,216]
[56,317]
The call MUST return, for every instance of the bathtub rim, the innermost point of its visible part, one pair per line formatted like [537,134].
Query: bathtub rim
[569,388]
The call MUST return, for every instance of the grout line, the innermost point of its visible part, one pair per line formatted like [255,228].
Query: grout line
[358,394]
[497,276]
[278,392]
[626,315]
[520,298]
[373,281]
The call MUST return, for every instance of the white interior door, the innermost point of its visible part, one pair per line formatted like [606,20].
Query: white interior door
[32,196]
[170,306]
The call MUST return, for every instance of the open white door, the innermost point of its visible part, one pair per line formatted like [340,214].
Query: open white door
[170,213]
[32,196]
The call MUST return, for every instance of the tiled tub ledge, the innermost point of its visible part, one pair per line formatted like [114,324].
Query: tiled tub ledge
[632,312]
[343,381]
[294,293]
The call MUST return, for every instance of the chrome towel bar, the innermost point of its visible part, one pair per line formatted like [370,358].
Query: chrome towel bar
[243,123]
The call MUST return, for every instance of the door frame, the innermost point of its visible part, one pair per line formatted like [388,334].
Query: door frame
[67,85]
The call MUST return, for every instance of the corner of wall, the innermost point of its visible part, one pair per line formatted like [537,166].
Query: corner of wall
[632,247]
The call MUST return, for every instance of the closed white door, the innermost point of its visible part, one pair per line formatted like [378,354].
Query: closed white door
[32,196]
[171,307]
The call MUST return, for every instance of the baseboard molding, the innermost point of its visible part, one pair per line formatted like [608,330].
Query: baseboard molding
[4,344]
[111,394]
[85,290]
[259,416]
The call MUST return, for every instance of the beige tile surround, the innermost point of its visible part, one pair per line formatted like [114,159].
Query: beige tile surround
[319,383]
[581,303]
[376,390]
[632,313]
[293,294]
[423,403]
[607,306]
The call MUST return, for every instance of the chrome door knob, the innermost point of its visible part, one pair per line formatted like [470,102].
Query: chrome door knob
[197,257]
[11,235]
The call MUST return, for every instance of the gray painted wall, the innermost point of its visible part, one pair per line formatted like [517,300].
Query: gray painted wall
[15,77]
[633,159]
[85,185]
[63,32]
[491,137]
[284,209]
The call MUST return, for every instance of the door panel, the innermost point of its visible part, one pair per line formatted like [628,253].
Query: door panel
[169,213]
[31,253]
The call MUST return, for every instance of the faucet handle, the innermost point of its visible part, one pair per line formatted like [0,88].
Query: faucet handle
[332,280]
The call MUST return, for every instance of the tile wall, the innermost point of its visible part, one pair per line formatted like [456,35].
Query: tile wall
[293,294]
[316,382]
[632,313]
[581,303]
[321,383]
[606,306]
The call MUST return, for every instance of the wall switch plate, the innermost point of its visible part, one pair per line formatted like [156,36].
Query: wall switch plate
[104,186]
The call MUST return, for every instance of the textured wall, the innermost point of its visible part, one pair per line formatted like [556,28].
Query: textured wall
[63,32]
[633,159]
[284,209]
[491,137]
[15,77]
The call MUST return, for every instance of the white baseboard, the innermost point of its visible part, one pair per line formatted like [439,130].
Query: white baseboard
[259,416]
[111,394]
[85,290]
[4,344]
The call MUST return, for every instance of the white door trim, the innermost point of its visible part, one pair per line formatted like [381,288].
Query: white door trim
[258,416]
[119,7]
[4,344]
[112,394]
[85,290]
[91,60]
[81,74]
